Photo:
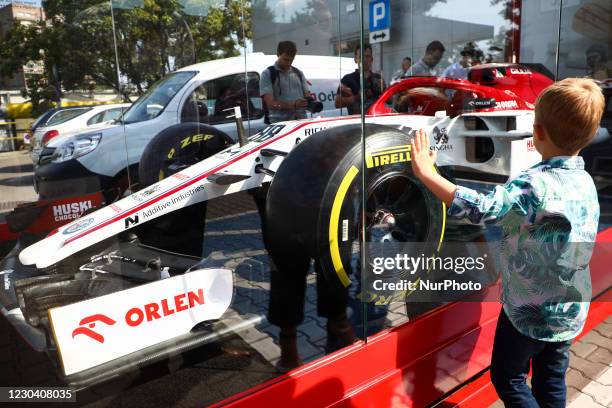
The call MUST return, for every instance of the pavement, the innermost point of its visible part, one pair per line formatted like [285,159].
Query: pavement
[16,172]
[234,241]
[589,378]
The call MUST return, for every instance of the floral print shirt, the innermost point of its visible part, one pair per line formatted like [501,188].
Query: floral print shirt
[549,216]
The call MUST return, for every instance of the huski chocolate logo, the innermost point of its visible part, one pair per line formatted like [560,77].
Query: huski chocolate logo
[70,211]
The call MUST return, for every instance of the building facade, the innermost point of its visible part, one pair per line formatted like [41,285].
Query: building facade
[22,13]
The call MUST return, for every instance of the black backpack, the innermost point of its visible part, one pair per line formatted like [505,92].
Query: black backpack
[274,75]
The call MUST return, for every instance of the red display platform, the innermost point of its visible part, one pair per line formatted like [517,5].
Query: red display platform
[438,358]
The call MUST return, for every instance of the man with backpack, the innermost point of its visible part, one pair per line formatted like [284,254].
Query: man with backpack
[284,91]
[283,87]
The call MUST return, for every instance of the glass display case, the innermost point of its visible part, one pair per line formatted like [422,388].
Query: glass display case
[236,227]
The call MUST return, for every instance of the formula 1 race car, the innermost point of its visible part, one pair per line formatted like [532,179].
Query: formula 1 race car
[117,287]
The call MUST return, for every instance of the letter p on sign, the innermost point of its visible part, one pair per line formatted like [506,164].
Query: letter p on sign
[380,17]
[378,12]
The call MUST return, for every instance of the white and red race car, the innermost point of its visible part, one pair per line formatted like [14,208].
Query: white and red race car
[100,299]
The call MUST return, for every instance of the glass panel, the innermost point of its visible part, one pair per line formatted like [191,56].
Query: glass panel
[586,38]
[433,44]
[325,34]
[540,33]
[56,65]
[169,204]
[585,48]
[209,226]
[463,86]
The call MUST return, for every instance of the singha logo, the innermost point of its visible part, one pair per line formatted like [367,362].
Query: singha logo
[88,323]
[440,135]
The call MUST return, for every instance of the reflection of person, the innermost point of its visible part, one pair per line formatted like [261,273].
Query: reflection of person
[350,85]
[426,66]
[234,95]
[553,201]
[402,73]
[285,98]
[458,70]
[283,87]
[597,62]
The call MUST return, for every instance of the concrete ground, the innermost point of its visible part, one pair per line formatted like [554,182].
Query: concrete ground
[16,172]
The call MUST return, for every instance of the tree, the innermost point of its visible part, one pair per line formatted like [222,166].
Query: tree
[503,46]
[153,37]
[314,11]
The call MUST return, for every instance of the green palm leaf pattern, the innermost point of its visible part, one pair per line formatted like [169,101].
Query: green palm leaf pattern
[549,216]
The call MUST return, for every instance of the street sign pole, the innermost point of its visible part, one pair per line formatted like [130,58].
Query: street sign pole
[381,61]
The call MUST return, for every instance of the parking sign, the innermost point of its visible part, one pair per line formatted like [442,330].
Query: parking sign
[380,21]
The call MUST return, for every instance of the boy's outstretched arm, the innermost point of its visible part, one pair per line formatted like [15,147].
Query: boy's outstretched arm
[423,160]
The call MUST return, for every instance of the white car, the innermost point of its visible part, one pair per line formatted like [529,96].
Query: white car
[200,93]
[68,122]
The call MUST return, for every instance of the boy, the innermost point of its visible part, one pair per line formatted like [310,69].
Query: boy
[545,303]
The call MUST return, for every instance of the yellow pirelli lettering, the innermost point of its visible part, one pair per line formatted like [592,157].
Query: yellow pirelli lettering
[388,155]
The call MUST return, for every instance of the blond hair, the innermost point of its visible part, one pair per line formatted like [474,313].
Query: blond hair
[570,111]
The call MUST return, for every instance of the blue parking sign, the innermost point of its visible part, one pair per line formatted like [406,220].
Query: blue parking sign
[380,15]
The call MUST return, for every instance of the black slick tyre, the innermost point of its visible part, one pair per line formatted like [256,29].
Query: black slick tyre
[315,199]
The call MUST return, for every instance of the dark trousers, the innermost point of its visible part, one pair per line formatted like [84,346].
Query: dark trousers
[288,291]
[288,271]
[512,353]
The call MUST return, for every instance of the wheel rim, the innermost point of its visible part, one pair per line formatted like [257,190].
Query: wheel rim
[396,211]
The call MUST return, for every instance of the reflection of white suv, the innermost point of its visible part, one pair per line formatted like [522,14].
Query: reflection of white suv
[71,121]
[101,159]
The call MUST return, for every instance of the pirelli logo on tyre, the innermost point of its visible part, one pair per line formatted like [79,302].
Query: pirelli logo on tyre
[387,155]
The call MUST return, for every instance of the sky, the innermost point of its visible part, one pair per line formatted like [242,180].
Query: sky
[479,12]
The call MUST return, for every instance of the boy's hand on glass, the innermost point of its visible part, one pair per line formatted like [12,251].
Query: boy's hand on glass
[422,157]
[422,161]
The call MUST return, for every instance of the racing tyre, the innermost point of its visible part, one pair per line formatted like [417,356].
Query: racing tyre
[171,151]
[321,181]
